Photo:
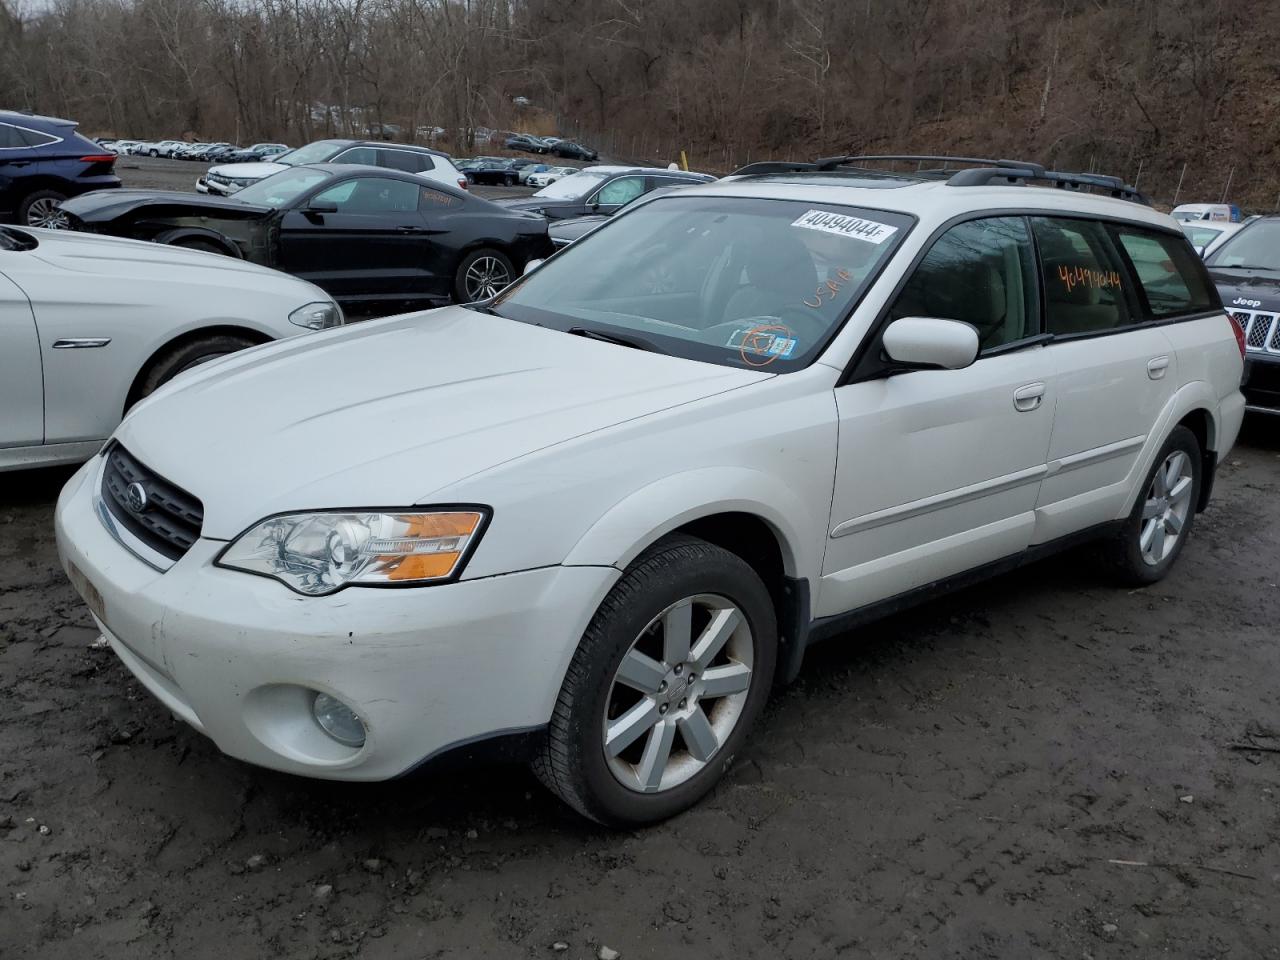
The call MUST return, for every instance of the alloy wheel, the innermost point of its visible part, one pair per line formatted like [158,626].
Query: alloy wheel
[678,693]
[46,213]
[1165,511]
[486,278]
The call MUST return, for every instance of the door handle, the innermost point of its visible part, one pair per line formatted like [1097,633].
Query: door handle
[1156,368]
[1027,398]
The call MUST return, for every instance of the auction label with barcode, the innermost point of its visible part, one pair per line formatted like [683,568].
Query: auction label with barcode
[843,225]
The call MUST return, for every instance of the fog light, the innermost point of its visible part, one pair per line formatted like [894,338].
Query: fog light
[338,720]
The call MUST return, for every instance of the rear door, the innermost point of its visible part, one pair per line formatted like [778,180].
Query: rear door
[1115,372]
[375,246]
[938,470]
[21,377]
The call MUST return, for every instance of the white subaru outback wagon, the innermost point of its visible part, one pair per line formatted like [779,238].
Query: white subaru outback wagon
[599,515]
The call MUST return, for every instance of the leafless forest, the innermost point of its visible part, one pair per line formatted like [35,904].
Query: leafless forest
[1158,90]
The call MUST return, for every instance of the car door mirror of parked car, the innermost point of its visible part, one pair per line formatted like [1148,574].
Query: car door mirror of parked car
[322,206]
[531,266]
[930,343]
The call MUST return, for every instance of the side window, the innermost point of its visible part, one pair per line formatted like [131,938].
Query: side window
[622,190]
[1171,274]
[33,138]
[1085,280]
[358,155]
[10,137]
[983,273]
[405,160]
[436,200]
[371,195]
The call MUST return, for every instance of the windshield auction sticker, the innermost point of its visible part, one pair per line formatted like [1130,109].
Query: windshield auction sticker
[843,225]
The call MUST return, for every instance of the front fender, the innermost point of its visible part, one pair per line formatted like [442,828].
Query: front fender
[649,513]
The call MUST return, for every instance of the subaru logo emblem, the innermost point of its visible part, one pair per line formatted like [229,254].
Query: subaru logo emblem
[136,494]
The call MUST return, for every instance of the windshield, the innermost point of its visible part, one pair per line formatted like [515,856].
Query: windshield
[281,189]
[11,239]
[1200,236]
[572,187]
[741,282]
[1255,247]
[317,152]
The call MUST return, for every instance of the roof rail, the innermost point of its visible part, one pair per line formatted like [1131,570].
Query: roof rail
[981,172]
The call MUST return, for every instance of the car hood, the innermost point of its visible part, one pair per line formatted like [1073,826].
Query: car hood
[116,258]
[102,205]
[248,171]
[530,204]
[574,227]
[386,412]
[1249,290]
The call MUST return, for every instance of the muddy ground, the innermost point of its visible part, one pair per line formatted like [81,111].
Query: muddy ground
[1043,766]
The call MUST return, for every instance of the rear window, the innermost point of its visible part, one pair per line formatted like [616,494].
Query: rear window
[405,160]
[1170,273]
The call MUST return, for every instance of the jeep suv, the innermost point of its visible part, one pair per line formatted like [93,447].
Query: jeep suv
[1246,268]
[42,162]
[616,499]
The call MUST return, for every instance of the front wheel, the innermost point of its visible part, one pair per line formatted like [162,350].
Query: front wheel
[1157,529]
[187,356]
[668,679]
[482,274]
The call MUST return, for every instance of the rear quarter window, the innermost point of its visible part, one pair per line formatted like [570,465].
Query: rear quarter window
[10,138]
[1170,274]
[405,160]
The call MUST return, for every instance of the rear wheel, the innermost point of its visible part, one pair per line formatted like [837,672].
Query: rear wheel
[187,356]
[41,209]
[1157,529]
[667,681]
[481,275]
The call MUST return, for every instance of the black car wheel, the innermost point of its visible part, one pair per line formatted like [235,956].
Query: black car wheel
[185,356]
[40,209]
[482,274]
[509,180]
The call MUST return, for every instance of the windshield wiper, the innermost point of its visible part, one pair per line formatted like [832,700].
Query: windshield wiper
[1242,266]
[622,340]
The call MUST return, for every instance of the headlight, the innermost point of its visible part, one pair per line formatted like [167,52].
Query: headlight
[318,553]
[318,316]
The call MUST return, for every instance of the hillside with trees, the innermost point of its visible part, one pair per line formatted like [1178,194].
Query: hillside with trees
[1161,91]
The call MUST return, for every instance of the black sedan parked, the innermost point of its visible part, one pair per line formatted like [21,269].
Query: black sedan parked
[363,234]
[574,151]
[500,172]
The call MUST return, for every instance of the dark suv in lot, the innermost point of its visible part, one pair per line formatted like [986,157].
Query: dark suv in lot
[1246,268]
[42,162]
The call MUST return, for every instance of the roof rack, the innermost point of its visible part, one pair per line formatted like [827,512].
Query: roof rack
[980,172]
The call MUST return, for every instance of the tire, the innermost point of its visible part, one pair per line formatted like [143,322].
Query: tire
[37,209]
[184,356]
[623,784]
[153,153]
[196,243]
[509,181]
[1157,529]
[481,275]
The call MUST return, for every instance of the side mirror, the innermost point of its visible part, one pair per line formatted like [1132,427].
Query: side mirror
[322,206]
[1201,249]
[931,343]
[531,266]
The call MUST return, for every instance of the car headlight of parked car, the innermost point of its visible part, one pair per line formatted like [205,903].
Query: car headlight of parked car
[318,316]
[320,553]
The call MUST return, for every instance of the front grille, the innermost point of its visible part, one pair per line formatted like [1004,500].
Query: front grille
[1261,331]
[170,519]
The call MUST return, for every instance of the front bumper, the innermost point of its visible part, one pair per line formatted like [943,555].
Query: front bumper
[240,657]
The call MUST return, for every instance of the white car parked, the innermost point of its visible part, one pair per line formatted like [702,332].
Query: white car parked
[601,511]
[89,325]
[550,176]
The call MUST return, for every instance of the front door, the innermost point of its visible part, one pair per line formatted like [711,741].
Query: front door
[938,470]
[21,378]
[373,246]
